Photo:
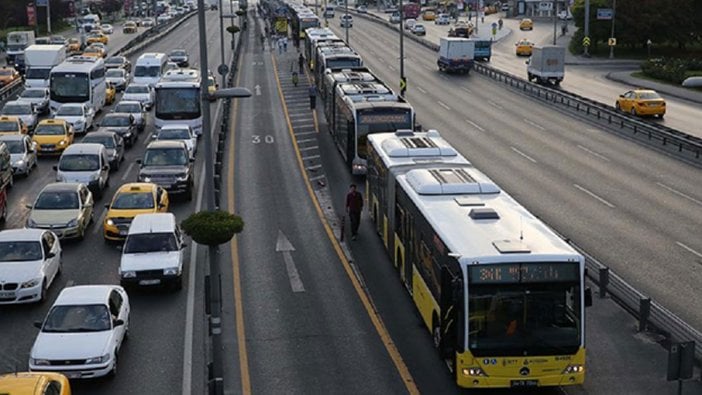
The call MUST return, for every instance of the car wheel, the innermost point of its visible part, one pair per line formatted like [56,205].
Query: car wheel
[81,235]
[113,372]
[42,297]
[177,284]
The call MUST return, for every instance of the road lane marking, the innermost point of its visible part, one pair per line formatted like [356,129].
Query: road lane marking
[686,196]
[603,201]
[466,89]
[304,140]
[443,105]
[419,88]
[283,245]
[126,173]
[492,103]
[428,67]
[97,225]
[475,125]
[523,154]
[309,148]
[310,157]
[593,153]
[534,124]
[699,254]
[374,317]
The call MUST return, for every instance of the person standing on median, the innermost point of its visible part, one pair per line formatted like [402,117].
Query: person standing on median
[354,206]
[313,96]
[301,63]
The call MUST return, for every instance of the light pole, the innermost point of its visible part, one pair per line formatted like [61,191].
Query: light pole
[554,9]
[403,81]
[614,16]
[586,52]
[346,20]
[222,69]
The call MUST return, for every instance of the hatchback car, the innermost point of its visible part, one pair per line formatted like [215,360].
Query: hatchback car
[409,23]
[94,51]
[168,164]
[30,260]
[23,154]
[12,125]
[179,57]
[526,24]
[64,207]
[395,17]
[641,102]
[362,9]
[27,383]
[419,30]
[121,123]
[79,115]
[118,77]
[112,142]
[442,19]
[177,132]
[74,45]
[83,332]
[107,28]
[346,20]
[85,163]
[429,15]
[523,47]
[120,62]
[38,97]
[129,201]
[142,93]
[135,109]
[23,110]
[53,136]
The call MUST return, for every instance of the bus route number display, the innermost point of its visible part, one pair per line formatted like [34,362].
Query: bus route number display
[382,118]
[523,273]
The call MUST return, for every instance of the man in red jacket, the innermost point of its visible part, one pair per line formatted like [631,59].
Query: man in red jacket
[354,206]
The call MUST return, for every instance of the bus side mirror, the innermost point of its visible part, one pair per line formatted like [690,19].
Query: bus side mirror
[588,297]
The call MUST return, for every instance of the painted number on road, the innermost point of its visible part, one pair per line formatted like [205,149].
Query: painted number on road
[268,139]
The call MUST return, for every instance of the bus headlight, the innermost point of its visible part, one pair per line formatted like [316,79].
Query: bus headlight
[474,372]
[572,369]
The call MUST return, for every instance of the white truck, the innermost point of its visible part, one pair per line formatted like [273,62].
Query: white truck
[17,42]
[39,60]
[456,54]
[546,65]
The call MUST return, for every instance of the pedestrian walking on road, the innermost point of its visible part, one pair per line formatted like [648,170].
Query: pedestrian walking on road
[301,63]
[354,206]
[313,96]
[280,46]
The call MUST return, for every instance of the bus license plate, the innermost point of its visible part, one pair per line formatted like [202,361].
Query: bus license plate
[525,383]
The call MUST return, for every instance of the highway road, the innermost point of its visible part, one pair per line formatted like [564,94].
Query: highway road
[586,80]
[636,210]
[152,361]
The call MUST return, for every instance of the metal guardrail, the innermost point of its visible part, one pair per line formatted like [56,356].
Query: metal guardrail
[11,89]
[149,36]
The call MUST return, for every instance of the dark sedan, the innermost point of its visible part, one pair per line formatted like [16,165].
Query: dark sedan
[121,123]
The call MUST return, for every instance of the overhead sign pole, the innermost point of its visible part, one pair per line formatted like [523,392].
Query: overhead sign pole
[586,48]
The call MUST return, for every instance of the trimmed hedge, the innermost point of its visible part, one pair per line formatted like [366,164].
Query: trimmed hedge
[671,69]
[212,228]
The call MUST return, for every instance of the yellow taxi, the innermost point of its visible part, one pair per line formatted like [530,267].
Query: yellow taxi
[35,383]
[10,124]
[110,94]
[97,38]
[8,75]
[73,45]
[429,15]
[95,51]
[53,136]
[130,200]
[641,102]
[524,47]
[129,27]
[211,86]
[526,24]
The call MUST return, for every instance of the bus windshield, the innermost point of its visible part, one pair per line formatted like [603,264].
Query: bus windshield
[147,71]
[380,120]
[178,103]
[70,87]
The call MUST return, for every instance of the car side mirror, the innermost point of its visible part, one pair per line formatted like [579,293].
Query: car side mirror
[118,322]
[105,167]
[29,206]
[183,245]
[37,324]
[588,297]
[154,136]
[192,160]
[622,96]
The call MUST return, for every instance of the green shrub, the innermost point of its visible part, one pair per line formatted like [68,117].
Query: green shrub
[212,227]
[671,69]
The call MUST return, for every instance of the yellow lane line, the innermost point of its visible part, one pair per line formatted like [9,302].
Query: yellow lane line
[365,299]
[236,275]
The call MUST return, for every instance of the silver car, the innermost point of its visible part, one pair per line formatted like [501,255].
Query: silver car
[65,208]
[23,153]
[117,77]
[136,109]
[140,92]
[23,110]
[39,97]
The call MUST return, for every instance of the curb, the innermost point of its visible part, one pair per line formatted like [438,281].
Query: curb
[651,85]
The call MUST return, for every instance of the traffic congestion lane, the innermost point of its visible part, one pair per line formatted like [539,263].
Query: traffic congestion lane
[155,349]
[496,123]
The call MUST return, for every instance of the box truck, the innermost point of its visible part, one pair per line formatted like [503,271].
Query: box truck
[456,54]
[39,60]
[17,42]
[546,65]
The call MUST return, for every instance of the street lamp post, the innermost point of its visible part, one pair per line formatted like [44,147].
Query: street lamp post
[223,65]
[403,82]
[554,9]
[614,16]
[346,21]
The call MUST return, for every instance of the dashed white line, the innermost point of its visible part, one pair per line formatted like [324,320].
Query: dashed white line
[603,201]
[686,196]
[466,89]
[534,124]
[475,125]
[313,167]
[97,225]
[305,141]
[310,157]
[126,173]
[309,148]
[492,103]
[391,67]
[443,105]
[419,88]
[428,67]
[524,155]
[699,254]
[593,153]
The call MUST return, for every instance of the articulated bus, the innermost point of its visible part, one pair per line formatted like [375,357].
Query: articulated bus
[316,36]
[334,76]
[501,294]
[178,99]
[361,109]
[335,57]
[301,20]
[79,79]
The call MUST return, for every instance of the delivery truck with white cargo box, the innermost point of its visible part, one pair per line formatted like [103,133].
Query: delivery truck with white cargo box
[39,60]
[456,54]
[546,65]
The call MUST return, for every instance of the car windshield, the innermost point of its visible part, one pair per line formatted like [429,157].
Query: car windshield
[79,162]
[130,200]
[19,251]
[116,121]
[128,107]
[17,109]
[34,93]
[178,53]
[57,200]
[49,130]
[69,111]
[137,89]
[165,157]
[649,95]
[107,141]
[15,146]
[150,242]
[8,126]
[113,61]
[147,71]
[114,73]
[174,134]
[78,318]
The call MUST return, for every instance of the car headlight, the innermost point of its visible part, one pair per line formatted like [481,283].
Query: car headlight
[94,177]
[73,222]
[31,283]
[60,178]
[79,123]
[31,223]
[102,359]
[128,274]
[110,222]
[62,142]
[19,162]
[146,179]
[171,271]
[39,362]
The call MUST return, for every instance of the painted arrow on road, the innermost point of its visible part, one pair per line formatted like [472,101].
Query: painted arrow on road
[257,88]
[283,245]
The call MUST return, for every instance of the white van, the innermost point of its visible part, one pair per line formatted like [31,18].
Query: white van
[86,163]
[149,68]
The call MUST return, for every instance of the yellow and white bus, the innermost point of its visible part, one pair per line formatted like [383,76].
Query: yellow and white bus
[501,294]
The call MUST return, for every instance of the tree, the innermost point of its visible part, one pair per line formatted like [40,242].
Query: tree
[212,228]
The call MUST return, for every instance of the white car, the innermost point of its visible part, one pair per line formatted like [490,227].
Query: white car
[83,332]
[395,18]
[182,133]
[118,77]
[140,92]
[23,153]
[39,97]
[30,260]
[442,19]
[346,21]
[409,23]
[79,115]
[107,28]
[23,110]
[163,18]
[148,22]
